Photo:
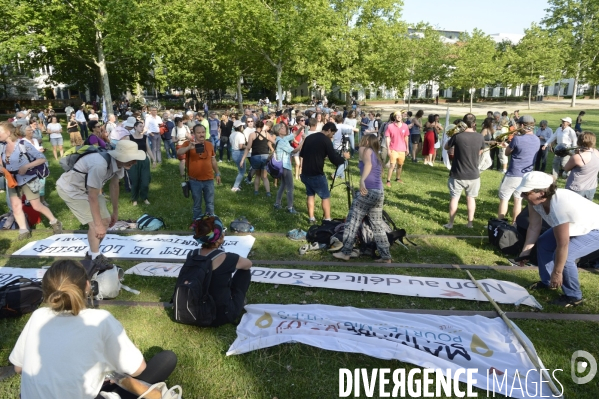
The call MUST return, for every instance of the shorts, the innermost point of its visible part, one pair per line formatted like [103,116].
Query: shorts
[397,157]
[56,141]
[456,186]
[508,187]
[316,185]
[258,162]
[23,190]
[81,208]
[180,157]
[415,138]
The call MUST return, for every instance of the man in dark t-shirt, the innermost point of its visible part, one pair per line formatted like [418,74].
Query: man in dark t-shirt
[315,148]
[464,174]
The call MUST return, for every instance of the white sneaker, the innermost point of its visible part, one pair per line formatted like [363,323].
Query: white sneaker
[235,189]
[220,161]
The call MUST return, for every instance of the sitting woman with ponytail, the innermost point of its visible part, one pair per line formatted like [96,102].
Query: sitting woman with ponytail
[66,350]
[228,291]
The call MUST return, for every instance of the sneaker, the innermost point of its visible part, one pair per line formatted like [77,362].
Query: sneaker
[341,255]
[102,263]
[292,211]
[336,245]
[567,301]
[268,194]
[312,221]
[57,227]
[256,193]
[296,235]
[277,206]
[220,161]
[539,285]
[247,181]
[24,236]
[235,189]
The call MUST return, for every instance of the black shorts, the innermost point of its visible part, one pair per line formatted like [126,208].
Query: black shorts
[415,138]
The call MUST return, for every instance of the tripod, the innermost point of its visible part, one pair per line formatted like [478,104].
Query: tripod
[347,182]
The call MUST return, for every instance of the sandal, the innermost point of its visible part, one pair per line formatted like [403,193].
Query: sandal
[388,183]
[398,181]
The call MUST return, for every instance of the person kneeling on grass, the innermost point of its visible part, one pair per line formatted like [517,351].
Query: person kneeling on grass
[227,290]
[368,202]
[66,350]
[574,233]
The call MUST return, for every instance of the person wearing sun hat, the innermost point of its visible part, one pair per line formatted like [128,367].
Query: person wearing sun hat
[574,233]
[81,189]
[227,290]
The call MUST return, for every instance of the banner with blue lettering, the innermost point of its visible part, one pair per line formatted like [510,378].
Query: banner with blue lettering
[430,341]
[160,246]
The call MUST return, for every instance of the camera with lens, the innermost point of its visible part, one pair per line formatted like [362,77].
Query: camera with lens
[345,143]
[199,148]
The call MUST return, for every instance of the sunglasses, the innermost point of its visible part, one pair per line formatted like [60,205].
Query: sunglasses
[302,120]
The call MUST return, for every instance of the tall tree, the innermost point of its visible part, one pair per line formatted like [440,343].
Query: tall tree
[537,58]
[475,66]
[505,58]
[109,41]
[577,22]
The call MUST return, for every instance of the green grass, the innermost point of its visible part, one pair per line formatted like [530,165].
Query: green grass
[295,370]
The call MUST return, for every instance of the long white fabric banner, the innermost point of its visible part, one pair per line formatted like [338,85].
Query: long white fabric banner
[130,247]
[428,287]
[444,342]
[8,274]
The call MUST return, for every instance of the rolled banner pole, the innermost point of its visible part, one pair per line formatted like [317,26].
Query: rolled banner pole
[531,355]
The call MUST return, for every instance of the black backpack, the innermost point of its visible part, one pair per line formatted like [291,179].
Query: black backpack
[322,234]
[20,296]
[192,302]
[504,236]
[366,240]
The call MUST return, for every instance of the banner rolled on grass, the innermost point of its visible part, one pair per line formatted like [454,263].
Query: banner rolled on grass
[129,247]
[444,342]
[7,274]
[427,287]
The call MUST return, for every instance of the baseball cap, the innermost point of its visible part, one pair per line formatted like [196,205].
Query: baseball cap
[567,119]
[526,119]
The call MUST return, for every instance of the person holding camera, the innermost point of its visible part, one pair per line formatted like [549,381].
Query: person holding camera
[202,169]
[315,148]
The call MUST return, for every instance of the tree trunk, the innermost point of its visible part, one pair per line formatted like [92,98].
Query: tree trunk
[559,87]
[240,94]
[471,96]
[594,92]
[103,73]
[279,88]
[529,94]
[574,91]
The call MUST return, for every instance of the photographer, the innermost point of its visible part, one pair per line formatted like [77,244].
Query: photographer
[343,140]
[202,169]
[315,148]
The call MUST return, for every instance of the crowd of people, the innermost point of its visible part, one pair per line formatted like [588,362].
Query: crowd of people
[301,141]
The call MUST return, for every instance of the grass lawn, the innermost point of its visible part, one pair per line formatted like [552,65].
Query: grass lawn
[295,370]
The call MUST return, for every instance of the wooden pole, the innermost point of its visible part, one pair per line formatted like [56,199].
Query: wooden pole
[531,355]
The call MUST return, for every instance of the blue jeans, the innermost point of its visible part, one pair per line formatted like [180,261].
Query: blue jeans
[202,189]
[169,148]
[578,247]
[237,155]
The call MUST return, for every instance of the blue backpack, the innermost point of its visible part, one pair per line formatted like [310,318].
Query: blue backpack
[150,223]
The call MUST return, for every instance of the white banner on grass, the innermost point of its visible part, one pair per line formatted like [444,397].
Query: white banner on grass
[8,274]
[445,342]
[428,287]
[130,247]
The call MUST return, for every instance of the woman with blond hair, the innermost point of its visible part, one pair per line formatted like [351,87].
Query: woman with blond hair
[368,203]
[20,165]
[87,344]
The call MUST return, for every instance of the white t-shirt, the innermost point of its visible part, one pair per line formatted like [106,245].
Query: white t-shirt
[237,139]
[54,127]
[351,122]
[94,168]
[180,134]
[65,356]
[152,124]
[569,207]
[93,117]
